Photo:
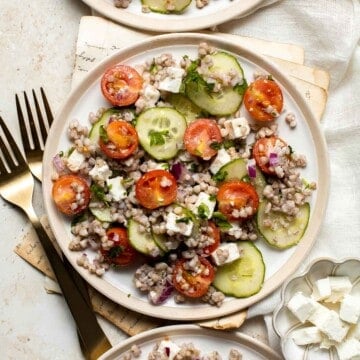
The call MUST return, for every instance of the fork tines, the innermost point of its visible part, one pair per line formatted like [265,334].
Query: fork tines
[41,121]
[7,158]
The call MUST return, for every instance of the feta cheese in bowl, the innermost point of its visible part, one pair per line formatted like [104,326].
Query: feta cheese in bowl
[319,314]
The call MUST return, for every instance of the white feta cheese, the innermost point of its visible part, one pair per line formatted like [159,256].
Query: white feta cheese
[168,348]
[349,350]
[354,331]
[326,343]
[75,160]
[100,171]
[321,289]
[350,309]
[340,286]
[173,224]
[221,159]
[172,82]
[307,335]
[204,205]
[151,95]
[237,128]
[116,188]
[225,253]
[302,306]
[328,322]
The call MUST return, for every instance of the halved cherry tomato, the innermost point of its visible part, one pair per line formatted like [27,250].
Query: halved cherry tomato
[262,149]
[199,136]
[263,99]
[121,253]
[122,140]
[234,197]
[71,194]
[121,85]
[192,284]
[215,235]
[156,188]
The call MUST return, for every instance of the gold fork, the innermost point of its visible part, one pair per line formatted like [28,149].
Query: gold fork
[16,187]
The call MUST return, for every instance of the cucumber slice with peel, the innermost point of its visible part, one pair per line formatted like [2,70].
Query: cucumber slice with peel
[185,106]
[162,6]
[225,102]
[243,277]
[282,234]
[142,241]
[161,132]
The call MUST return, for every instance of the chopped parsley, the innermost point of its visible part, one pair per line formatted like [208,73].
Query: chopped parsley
[203,211]
[221,221]
[158,137]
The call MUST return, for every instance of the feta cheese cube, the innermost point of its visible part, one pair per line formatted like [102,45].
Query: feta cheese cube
[237,128]
[225,253]
[173,224]
[340,286]
[116,188]
[307,335]
[221,159]
[350,309]
[100,171]
[151,95]
[169,349]
[328,322]
[204,205]
[172,82]
[302,306]
[75,160]
[321,289]
[349,350]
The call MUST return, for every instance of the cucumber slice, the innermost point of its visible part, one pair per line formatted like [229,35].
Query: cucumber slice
[160,241]
[243,277]
[278,235]
[161,6]
[221,103]
[141,241]
[102,214]
[185,106]
[161,131]
[104,119]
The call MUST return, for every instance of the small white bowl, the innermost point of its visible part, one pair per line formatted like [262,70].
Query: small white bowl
[285,322]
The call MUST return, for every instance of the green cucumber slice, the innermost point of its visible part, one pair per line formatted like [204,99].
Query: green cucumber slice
[278,235]
[221,103]
[185,106]
[243,277]
[143,242]
[102,214]
[104,119]
[161,6]
[161,131]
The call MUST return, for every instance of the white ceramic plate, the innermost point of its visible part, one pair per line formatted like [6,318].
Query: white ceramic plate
[306,138]
[285,322]
[205,340]
[218,11]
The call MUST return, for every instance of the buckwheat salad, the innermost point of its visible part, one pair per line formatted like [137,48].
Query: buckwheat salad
[163,6]
[184,173]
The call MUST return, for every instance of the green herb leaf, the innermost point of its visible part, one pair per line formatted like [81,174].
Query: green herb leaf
[216,145]
[203,211]
[115,251]
[221,221]
[220,176]
[98,192]
[185,220]
[158,137]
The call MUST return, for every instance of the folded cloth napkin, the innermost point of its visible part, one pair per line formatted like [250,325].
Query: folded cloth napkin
[329,30]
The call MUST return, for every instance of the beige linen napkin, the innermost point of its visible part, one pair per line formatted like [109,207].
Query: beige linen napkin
[99,38]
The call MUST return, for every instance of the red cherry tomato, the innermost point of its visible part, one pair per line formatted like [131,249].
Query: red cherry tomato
[193,284]
[122,140]
[263,99]
[199,136]
[71,194]
[215,235]
[121,84]
[262,149]
[234,197]
[156,188]
[121,253]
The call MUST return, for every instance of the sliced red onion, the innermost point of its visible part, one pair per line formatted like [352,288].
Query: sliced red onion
[251,168]
[178,169]
[273,159]
[163,295]
[58,164]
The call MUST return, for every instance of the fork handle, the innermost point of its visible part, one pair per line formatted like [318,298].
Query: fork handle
[93,337]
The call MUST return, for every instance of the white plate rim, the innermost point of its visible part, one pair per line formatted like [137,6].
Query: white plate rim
[318,212]
[171,23]
[191,329]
